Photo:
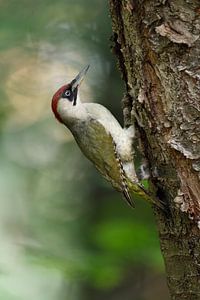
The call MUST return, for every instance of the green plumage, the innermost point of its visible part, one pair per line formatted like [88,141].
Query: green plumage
[101,151]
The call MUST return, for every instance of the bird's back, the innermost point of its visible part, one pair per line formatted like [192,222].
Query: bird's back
[98,146]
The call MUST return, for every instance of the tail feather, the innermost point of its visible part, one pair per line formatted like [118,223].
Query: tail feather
[140,190]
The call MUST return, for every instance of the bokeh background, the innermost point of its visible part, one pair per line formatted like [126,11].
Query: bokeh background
[64,232]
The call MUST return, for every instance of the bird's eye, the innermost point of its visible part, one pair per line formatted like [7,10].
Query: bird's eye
[67,93]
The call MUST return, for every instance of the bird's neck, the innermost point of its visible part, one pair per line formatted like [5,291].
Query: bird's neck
[71,114]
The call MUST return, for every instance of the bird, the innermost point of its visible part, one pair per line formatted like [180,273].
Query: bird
[100,137]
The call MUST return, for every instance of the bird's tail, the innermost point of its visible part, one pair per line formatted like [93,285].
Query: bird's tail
[138,189]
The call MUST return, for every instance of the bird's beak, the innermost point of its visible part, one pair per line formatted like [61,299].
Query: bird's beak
[79,78]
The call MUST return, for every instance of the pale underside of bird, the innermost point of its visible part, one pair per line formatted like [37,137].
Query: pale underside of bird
[100,137]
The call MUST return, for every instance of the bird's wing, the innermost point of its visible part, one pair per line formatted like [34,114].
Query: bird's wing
[99,147]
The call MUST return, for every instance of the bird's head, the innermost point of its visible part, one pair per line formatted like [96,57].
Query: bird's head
[65,100]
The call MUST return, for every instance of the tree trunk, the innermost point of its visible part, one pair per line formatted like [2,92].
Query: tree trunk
[157,43]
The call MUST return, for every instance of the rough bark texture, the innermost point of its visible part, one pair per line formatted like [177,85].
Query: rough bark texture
[157,43]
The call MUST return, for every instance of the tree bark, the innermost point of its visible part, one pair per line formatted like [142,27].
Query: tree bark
[157,43]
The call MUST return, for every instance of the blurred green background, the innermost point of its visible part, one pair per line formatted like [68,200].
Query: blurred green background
[65,233]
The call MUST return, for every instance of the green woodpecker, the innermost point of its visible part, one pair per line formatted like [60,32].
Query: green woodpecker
[100,137]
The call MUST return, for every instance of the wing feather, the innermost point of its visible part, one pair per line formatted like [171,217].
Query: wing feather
[99,147]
